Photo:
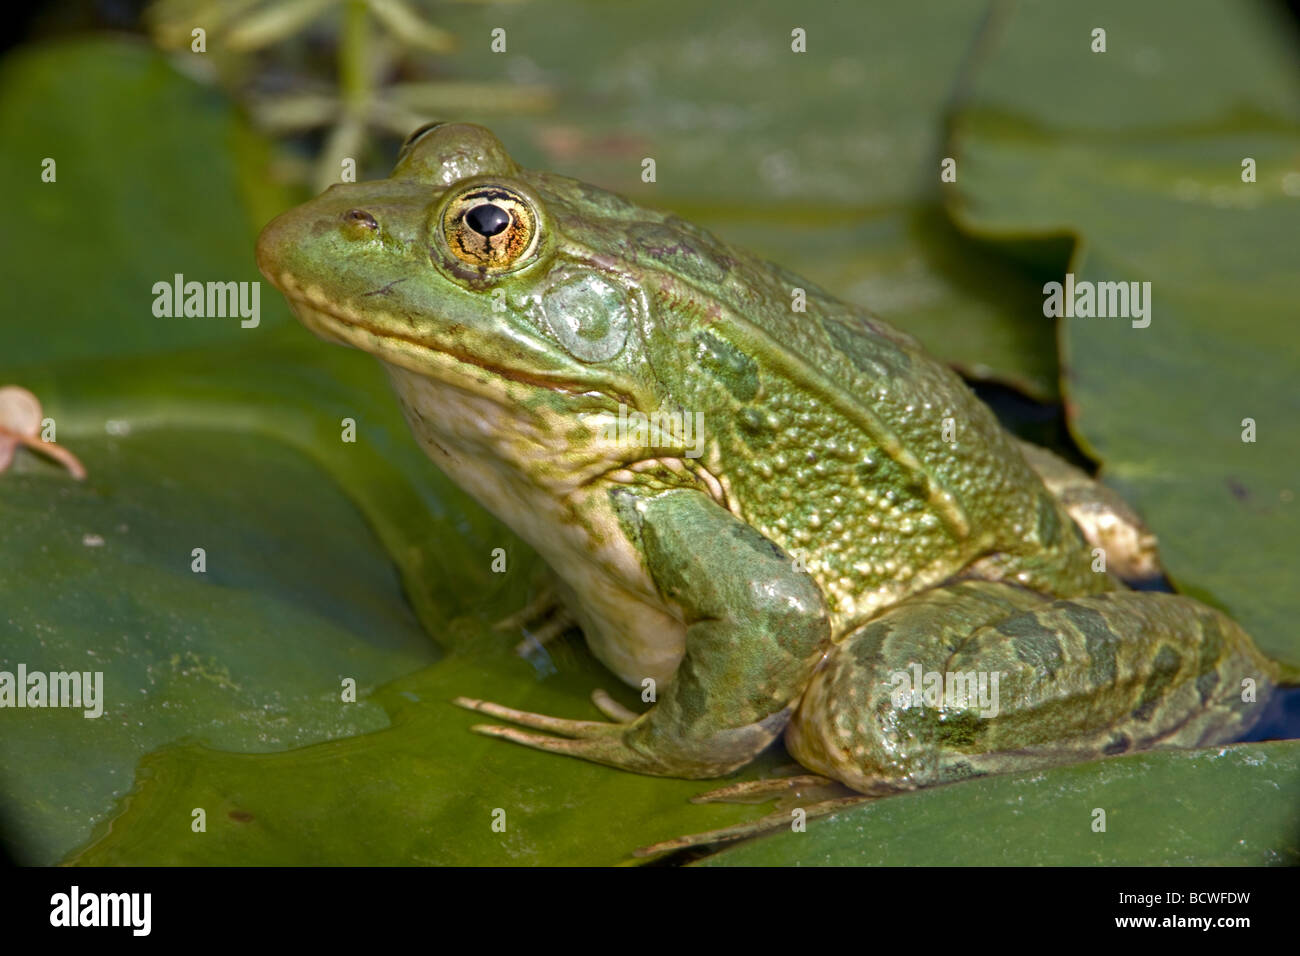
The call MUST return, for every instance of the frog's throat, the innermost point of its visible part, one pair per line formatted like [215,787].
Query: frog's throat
[329,321]
[410,352]
[502,387]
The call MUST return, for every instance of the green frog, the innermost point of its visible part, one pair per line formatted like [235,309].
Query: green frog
[767,508]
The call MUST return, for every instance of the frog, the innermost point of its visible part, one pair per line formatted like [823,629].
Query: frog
[773,512]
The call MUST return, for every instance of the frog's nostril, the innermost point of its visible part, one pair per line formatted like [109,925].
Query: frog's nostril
[360,217]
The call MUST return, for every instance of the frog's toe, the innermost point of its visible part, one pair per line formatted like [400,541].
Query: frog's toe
[611,708]
[544,634]
[595,748]
[778,819]
[542,606]
[542,620]
[593,740]
[557,725]
[760,791]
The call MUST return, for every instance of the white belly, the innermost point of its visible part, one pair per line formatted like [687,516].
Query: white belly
[604,583]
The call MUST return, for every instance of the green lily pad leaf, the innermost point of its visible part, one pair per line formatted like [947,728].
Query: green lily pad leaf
[221,584]
[826,161]
[424,791]
[1228,806]
[135,200]
[1138,152]
[287,385]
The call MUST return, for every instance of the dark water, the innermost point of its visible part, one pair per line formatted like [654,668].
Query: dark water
[1281,720]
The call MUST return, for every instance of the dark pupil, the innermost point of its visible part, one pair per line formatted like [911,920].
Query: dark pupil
[487,219]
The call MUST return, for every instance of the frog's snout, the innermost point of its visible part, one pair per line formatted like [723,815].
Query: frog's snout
[271,242]
[283,244]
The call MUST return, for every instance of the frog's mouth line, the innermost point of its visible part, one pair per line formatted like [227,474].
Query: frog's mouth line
[345,327]
[446,366]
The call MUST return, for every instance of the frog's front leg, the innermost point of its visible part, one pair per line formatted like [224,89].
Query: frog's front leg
[756,628]
[982,677]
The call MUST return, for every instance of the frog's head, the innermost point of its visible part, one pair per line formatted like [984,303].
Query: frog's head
[474,274]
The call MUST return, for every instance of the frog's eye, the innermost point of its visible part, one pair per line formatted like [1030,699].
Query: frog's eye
[490,227]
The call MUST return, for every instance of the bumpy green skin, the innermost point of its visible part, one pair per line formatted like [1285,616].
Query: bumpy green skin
[853,507]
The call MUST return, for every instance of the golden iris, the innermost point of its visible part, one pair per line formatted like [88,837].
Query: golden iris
[490,227]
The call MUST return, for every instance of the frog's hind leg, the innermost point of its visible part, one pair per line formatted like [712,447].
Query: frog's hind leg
[983,677]
[1106,520]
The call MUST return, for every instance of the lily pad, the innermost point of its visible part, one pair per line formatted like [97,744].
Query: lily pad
[243,644]
[424,791]
[1137,152]
[134,200]
[1226,806]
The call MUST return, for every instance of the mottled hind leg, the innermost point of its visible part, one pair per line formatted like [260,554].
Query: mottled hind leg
[983,677]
